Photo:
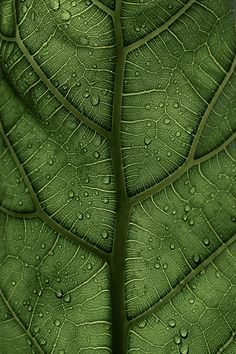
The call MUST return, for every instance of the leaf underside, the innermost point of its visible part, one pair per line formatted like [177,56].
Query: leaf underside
[117,176]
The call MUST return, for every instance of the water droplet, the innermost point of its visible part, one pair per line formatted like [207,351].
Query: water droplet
[192,190]
[177,339]
[187,208]
[96,154]
[172,323]
[157,265]
[89,266]
[176,105]
[106,179]
[67,298]
[142,324]
[147,107]
[206,241]
[65,15]
[165,266]
[55,4]
[196,258]
[95,100]
[36,329]
[161,104]
[191,222]
[191,301]
[40,314]
[59,294]
[178,134]
[57,322]
[183,332]
[80,216]
[73,3]
[167,121]
[105,200]
[184,349]
[86,94]
[13,283]
[88,216]
[104,234]
[172,246]
[147,141]
[71,194]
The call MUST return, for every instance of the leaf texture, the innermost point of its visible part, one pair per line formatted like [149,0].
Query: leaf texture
[117,177]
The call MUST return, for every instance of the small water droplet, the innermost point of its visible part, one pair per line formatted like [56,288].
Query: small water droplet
[184,349]
[147,141]
[104,234]
[106,179]
[172,323]
[80,216]
[167,121]
[71,194]
[187,208]
[105,200]
[196,258]
[147,107]
[142,324]
[177,339]
[96,154]
[95,100]
[89,266]
[55,4]
[176,105]
[192,190]
[183,332]
[206,241]
[65,15]
[67,298]
[157,265]
[57,322]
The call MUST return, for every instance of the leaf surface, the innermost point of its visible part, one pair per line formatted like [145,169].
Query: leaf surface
[117,177]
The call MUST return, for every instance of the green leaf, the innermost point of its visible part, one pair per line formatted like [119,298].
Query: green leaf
[117,176]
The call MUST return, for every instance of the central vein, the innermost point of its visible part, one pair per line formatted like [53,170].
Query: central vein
[119,319]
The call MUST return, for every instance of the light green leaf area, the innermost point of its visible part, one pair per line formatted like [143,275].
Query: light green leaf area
[117,177]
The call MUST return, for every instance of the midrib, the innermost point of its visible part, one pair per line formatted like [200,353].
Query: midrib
[119,319]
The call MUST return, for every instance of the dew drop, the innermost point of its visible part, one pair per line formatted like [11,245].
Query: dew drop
[80,216]
[157,265]
[142,324]
[71,194]
[57,322]
[161,104]
[187,208]
[177,339]
[89,266]
[105,200]
[147,141]
[86,94]
[104,234]
[176,105]
[88,216]
[191,222]
[95,100]
[206,241]
[167,121]
[183,332]
[172,323]
[73,3]
[192,190]
[96,154]
[184,349]
[65,15]
[59,294]
[172,246]
[106,179]
[196,258]
[55,4]
[165,266]
[147,107]
[67,298]
[191,301]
